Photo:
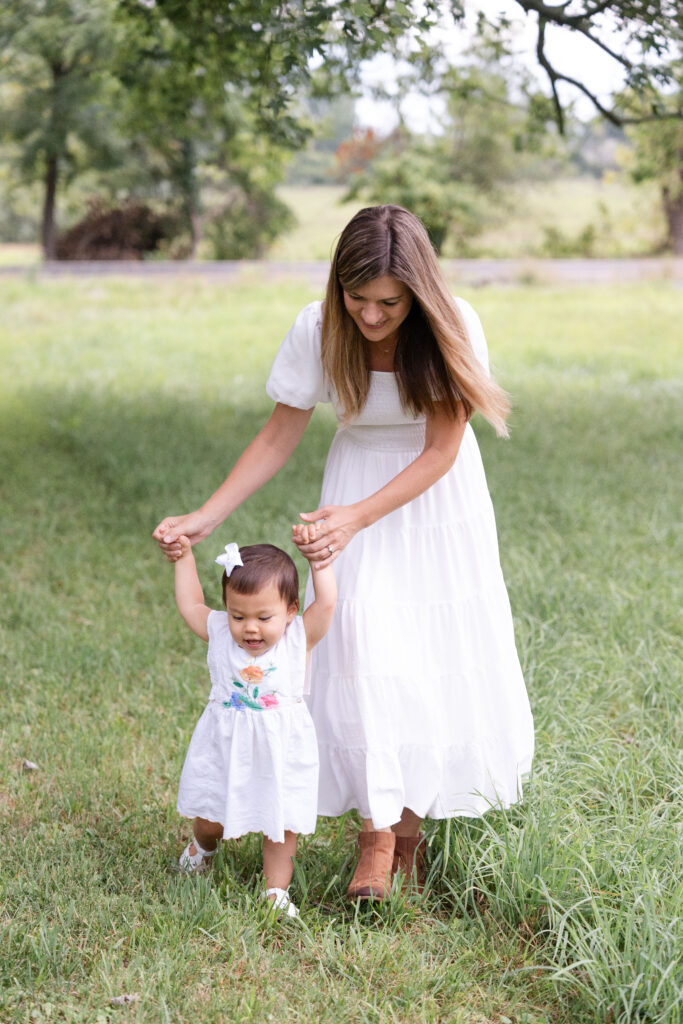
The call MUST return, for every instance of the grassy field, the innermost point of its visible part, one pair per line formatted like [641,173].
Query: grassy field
[122,401]
[19,254]
[626,220]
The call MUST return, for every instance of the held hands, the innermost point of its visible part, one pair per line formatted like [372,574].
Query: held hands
[192,527]
[185,548]
[325,533]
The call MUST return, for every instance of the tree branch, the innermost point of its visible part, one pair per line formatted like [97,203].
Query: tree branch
[552,15]
[576,22]
[554,12]
[550,71]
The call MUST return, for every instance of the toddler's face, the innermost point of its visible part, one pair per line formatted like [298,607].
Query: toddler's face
[257,621]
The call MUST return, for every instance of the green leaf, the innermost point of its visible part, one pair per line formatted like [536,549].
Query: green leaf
[249,703]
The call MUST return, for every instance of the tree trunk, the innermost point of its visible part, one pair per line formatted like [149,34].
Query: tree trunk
[196,221]
[673,210]
[49,231]
[672,199]
[191,195]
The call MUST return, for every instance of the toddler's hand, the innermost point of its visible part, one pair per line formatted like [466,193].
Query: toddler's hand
[304,533]
[185,549]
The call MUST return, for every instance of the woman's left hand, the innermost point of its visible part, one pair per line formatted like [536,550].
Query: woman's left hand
[338,525]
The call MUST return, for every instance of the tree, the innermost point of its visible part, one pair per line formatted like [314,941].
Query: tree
[57,89]
[218,73]
[658,156]
[190,76]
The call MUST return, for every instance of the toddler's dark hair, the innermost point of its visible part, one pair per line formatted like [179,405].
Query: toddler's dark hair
[263,563]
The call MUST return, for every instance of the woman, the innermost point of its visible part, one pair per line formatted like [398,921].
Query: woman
[417,693]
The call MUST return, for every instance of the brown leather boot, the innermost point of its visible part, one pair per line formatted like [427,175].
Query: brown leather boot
[372,877]
[408,859]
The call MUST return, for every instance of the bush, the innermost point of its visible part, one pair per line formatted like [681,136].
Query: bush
[245,225]
[557,244]
[125,232]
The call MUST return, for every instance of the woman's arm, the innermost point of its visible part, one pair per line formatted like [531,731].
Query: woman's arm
[261,460]
[443,437]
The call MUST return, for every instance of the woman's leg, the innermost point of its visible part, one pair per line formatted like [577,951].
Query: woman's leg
[277,861]
[408,850]
[409,825]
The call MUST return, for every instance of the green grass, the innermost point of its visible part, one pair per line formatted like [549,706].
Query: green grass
[121,401]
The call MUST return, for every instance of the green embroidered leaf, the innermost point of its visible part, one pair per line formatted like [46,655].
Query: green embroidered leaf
[255,694]
[250,703]
[238,683]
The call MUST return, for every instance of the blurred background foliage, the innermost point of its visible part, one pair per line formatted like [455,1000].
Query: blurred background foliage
[198,116]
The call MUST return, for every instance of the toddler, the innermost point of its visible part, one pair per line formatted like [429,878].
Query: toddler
[252,763]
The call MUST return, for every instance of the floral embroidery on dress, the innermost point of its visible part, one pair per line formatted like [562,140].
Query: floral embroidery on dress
[248,697]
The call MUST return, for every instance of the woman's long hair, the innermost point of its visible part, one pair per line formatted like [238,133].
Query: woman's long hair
[434,359]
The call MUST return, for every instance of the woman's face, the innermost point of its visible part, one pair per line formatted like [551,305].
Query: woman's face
[379,308]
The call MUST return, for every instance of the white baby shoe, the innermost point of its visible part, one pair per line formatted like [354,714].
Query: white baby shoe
[195,862]
[282,901]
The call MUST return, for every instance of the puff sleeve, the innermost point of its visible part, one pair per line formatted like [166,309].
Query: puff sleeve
[475,332]
[296,377]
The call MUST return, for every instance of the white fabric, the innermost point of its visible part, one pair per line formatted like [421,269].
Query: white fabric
[253,771]
[296,377]
[417,692]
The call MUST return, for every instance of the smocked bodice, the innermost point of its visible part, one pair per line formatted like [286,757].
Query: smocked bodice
[382,422]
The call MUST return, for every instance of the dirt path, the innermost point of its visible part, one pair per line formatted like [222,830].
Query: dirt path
[473,272]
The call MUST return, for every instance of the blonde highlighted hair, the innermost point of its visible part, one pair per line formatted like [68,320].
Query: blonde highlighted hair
[434,359]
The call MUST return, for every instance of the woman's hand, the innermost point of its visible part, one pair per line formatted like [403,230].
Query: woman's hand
[338,524]
[194,526]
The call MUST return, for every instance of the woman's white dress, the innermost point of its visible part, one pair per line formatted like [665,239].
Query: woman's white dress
[417,693]
[252,763]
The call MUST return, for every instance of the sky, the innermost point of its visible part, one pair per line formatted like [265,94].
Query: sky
[569,52]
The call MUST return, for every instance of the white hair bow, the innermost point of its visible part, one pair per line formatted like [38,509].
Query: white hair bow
[230,559]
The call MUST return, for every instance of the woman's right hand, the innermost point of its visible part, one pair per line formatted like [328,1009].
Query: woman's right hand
[195,526]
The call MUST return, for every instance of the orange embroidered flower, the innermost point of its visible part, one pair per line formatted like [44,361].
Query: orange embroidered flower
[252,674]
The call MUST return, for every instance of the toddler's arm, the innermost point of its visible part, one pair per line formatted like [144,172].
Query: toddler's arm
[318,615]
[189,595]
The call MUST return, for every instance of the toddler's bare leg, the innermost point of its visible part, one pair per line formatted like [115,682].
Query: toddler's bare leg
[207,833]
[277,861]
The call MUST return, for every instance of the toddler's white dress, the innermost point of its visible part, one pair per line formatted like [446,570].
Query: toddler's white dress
[252,763]
[416,691]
